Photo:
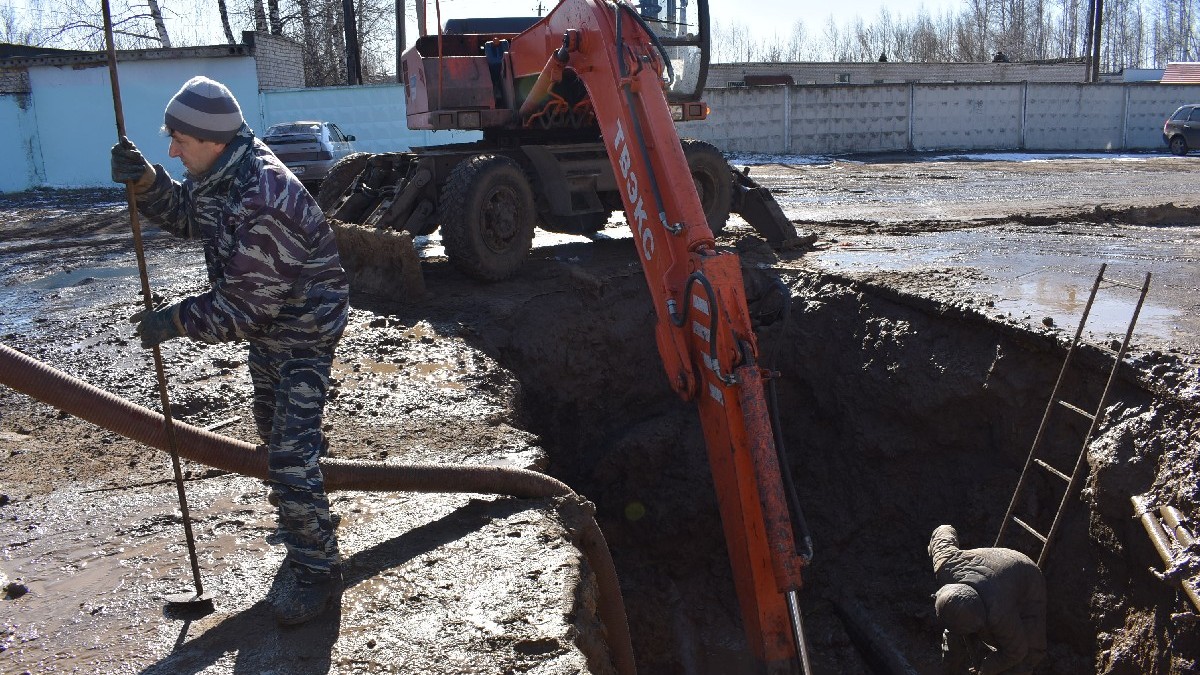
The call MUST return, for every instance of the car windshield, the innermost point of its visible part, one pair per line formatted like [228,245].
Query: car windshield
[292,128]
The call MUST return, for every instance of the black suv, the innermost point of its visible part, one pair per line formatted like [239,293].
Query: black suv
[1181,132]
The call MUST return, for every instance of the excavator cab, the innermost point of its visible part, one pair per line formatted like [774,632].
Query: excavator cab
[682,28]
[465,75]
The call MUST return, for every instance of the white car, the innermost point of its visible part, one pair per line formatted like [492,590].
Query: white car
[308,148]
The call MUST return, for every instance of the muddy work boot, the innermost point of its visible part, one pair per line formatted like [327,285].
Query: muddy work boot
[305,600]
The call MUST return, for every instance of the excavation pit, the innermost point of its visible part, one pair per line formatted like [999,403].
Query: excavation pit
[912,382]
[928,419]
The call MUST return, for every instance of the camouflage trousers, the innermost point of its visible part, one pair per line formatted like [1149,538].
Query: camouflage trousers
[289,400]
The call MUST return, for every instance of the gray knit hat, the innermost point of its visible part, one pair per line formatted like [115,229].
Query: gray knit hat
[205,109]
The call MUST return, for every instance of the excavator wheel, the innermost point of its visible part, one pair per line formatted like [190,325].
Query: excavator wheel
[340,176]
[713,179]
[487,215]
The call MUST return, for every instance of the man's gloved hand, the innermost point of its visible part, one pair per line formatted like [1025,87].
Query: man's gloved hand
[157,326]
[129,166]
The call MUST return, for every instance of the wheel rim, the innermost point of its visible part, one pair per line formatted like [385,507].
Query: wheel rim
[1177,145]
[501,213]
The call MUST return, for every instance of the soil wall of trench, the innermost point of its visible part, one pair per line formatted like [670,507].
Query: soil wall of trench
[900,413]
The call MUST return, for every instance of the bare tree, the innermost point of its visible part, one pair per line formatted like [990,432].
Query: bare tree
[159,26]
[14,26]
[78,24]
[225,22]
[1135,33]
[260,17]
[273,17]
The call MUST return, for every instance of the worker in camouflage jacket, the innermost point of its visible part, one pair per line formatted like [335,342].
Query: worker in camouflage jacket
[277,283]
[992,605]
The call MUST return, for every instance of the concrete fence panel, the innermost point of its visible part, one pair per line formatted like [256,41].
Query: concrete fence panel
[832,119]
[967,116]
[1070,116]
[1148,106]
[743,119]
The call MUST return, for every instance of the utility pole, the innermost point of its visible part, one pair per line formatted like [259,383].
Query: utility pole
[1087,41]
[1099,21]
[353,66]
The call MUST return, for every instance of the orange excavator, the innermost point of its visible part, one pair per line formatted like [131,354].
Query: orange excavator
[578,111]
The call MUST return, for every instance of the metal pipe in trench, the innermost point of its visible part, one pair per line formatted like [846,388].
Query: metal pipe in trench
[1162,542]
[76,397]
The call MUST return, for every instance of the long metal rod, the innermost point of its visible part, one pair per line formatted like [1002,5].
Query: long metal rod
[793,603]
[148,299]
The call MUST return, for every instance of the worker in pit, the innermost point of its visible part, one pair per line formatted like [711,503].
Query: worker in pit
[992,605]
[277,283]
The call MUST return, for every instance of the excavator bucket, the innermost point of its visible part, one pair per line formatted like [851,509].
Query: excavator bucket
[374,204]
[380,262]
[755,204]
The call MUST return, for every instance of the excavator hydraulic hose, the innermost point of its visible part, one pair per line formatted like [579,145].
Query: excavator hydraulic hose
[78,398]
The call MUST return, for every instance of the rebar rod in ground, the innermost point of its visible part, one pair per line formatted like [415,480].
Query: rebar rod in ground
[148,300]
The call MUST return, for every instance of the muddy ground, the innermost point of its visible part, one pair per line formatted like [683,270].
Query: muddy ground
[926,329]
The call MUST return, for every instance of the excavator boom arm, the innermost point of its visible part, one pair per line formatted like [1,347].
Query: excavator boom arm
[704,333]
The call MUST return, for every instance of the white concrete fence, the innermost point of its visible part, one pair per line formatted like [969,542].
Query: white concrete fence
[838,119]
[58,132]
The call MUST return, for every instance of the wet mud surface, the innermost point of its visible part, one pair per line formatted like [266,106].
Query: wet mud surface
[926,330]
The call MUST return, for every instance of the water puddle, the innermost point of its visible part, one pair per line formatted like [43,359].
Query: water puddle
[1111,312]
[81,276]
[1035,275]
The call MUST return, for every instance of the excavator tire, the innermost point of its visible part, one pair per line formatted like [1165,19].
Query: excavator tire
[488,215]
[340,176]
[713,179]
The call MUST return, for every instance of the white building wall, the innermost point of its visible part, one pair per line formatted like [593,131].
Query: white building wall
[19,144]
[77,127]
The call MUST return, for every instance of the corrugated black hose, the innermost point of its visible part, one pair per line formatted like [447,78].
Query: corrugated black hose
[104,409]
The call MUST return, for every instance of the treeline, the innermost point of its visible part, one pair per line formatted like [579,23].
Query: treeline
[1134,34]
[317,25]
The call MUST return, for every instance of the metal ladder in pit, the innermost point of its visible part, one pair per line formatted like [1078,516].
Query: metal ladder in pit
[1037,458]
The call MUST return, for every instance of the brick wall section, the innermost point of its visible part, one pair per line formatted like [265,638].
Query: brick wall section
[727,74]
[280,61]
[14,81]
